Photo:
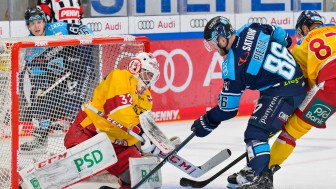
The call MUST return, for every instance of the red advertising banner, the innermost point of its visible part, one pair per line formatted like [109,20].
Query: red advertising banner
[190,81]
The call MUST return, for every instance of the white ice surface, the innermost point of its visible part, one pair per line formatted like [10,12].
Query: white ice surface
[311,166]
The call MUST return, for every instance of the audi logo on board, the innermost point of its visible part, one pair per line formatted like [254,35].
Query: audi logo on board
[95,26]
[170,73]
[261,20]
[146,25]
[198,23]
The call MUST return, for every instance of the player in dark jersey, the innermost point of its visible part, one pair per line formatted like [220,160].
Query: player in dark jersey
[70,11]
[56,77]
[257,59]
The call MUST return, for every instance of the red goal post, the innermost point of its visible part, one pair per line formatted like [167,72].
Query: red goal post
[49,57]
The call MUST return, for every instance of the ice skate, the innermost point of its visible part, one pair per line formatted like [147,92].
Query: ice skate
[242,177]
[37,145]
[263,181]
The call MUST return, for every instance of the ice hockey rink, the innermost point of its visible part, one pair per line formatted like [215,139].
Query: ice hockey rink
[311,166]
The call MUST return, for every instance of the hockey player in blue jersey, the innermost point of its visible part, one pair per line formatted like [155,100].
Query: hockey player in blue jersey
[43,68]
[257,59]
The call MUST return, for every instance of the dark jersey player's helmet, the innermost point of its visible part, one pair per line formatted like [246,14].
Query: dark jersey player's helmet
[307,18]
[35,13]
[217,26]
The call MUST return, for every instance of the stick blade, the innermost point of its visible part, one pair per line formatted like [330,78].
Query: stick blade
[185,182]
[216,160]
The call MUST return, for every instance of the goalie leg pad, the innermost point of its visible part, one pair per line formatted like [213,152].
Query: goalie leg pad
[140,167]
[123,155]
[79,163]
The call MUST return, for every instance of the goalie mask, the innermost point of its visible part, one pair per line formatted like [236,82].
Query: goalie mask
[145,68]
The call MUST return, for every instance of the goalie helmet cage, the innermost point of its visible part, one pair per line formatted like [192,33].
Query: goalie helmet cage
[43,83]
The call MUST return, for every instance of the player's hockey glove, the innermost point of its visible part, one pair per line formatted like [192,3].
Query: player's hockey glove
[203,126]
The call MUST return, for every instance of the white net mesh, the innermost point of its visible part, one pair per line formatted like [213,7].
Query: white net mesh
[53,82]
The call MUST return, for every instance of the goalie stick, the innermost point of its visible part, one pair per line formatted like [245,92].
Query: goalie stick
[177,161]
[57,82]
[185,182]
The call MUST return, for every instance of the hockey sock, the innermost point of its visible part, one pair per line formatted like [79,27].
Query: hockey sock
[259,155]
[282,148]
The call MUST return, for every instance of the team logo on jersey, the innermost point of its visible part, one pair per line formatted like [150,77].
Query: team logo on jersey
[293,81]
[241,60]
[56,65]
[150,99]
[257,108]
[283,117]
[318,112]
[226,85]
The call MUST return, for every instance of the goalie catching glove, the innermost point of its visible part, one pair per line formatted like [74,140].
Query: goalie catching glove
[148,148]
[146,145]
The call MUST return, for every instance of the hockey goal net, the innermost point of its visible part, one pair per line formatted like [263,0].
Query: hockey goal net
[43,83]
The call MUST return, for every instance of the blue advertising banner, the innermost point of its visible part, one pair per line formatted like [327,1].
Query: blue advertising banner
[175,7]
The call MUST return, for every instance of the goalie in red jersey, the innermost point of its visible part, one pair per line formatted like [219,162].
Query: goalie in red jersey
[123,95]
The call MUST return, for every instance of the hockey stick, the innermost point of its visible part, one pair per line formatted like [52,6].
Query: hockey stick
[177,161]
[174,152]
[197,171]
[200,184]
[57,82]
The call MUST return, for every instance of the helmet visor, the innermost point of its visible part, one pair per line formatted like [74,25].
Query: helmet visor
[210,45]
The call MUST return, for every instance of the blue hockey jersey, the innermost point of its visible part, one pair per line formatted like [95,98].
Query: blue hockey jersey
[44,66]
[259,60]
[57,28]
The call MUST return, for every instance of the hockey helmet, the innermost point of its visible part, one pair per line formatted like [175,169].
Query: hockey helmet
[217,26]
[145,67]
[35,13]
[307,18]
